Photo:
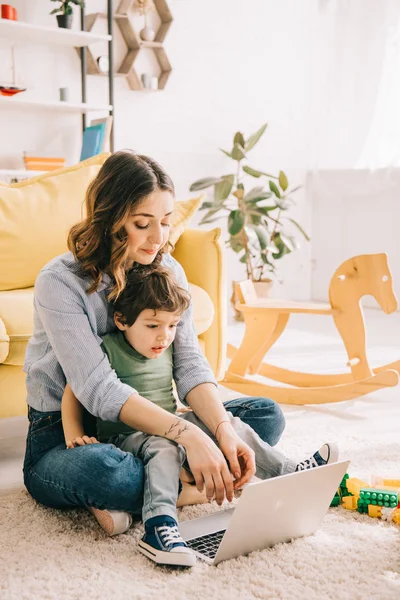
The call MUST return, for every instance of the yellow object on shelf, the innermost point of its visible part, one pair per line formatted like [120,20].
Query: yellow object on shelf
[43,163]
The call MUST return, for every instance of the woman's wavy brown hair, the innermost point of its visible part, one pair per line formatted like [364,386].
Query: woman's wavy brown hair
[99,242]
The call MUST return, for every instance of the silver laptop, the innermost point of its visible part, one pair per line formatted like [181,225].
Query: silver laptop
[267,513]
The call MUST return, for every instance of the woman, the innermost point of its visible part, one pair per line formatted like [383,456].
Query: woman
[129,206]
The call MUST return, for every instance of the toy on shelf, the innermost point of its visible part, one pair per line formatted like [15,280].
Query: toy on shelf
[266,320]
[381,499]
[11,90]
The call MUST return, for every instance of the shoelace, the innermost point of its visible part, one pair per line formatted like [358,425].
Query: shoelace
[170,535]
[309,463]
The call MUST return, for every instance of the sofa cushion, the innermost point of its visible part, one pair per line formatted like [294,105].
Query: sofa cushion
[16,320]
[36,215]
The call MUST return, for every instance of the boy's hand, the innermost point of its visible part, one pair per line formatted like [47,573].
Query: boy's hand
[82,441]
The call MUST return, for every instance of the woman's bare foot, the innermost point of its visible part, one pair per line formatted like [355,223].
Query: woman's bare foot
[185,476]
[191,495]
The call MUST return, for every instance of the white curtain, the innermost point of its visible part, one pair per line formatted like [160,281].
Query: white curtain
[354,84]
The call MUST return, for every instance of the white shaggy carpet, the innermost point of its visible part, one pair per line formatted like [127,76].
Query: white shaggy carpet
[49,554]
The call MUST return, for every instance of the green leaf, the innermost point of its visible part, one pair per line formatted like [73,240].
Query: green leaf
[283,205]
[201,184]
[256,172]
[235,222]
[238,153]
[55,10]
[236,244]
[253,139]
[210,214]
[264,210]
[207,221]
[223,188]
[299,228]
[239,139]
[283,181]
[227,153]
[243,259]
[262,237]
[256,193]
[207,205]
[298,187]
[288,242]
[274,189]
[272,248]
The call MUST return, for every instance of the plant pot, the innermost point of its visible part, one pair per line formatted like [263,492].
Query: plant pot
[263,290]
[64,21]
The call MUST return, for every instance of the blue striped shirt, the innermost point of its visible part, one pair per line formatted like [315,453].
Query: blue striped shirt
[65,346]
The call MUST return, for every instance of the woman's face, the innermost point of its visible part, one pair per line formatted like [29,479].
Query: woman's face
[148,227]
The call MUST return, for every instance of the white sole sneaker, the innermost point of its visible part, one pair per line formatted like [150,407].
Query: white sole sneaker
[113,522]
[332,452]
[177,557]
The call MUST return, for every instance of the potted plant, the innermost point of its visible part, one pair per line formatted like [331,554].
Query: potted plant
[64,19]
[257,217]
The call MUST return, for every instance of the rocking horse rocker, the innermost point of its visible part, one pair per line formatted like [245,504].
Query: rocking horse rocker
[265,321]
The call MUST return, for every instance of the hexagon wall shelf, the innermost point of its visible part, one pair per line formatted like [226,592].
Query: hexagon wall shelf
[135,44]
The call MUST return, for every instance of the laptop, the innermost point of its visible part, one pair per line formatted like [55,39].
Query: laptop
[268,512]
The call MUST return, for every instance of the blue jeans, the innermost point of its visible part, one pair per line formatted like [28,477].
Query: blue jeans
[102,475]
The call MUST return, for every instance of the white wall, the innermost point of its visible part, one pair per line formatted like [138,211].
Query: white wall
[236,65]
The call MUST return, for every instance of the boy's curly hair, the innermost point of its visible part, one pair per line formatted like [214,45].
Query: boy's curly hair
[153,288]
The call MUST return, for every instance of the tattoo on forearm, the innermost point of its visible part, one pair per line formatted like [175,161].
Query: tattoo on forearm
[174,433]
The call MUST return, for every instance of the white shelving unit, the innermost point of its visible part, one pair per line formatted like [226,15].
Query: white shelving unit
[16,102]
[20,32]
[7,175]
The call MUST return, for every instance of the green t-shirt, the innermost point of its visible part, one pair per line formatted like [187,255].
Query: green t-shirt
[151,377]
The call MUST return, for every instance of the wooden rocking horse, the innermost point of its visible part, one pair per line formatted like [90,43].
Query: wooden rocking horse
[266,320]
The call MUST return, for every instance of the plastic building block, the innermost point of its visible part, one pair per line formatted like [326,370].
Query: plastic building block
[394,482]
[350,502]
[335,500]
[387,513]
[362,507]
[354,485]
[343,491]
[374,511]
[377,481]
[379,497]
[396,516]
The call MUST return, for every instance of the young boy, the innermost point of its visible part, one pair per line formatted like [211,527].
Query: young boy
[140,351]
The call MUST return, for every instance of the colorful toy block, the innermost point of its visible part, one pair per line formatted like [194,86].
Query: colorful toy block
[396,516]
[379,497]
[374,511]
[354,485]
[380,500]
[335,500]
[350,502]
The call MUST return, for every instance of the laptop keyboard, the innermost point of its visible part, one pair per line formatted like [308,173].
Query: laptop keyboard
[207,544]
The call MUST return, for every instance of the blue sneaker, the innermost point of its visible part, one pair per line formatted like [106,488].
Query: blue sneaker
[163,544]
[328,453]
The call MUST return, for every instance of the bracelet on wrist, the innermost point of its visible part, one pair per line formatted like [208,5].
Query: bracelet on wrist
[220,423]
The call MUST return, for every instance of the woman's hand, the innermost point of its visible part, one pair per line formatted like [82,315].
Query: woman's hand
[239,455]
[209,467]
[81,441]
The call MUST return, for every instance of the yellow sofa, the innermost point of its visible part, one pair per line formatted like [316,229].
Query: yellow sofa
[35,216]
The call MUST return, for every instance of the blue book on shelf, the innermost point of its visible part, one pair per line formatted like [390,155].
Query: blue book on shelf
[92,142]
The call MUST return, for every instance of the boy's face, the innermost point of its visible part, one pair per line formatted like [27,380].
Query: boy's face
[152,332]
